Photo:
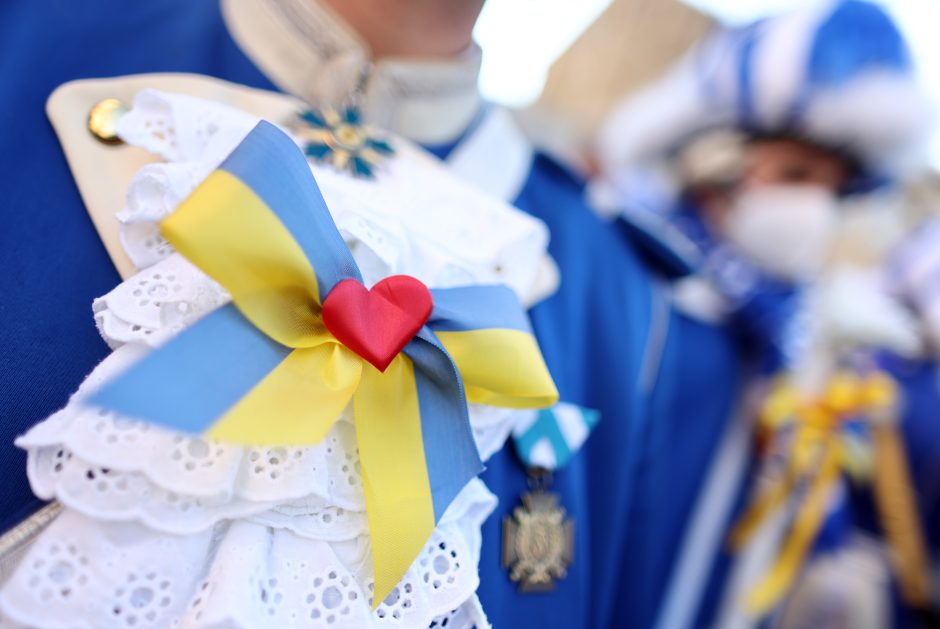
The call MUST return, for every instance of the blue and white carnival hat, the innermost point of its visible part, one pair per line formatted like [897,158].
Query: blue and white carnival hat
[838,74]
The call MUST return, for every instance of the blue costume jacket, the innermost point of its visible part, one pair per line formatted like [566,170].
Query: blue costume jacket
[665,385]
[54,263]
[704,370]
[594,332]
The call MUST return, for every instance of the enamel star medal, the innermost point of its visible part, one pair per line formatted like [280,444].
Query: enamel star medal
[538,536]
[341,139]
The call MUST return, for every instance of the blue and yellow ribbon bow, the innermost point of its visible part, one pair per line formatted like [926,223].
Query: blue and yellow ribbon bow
[266,370]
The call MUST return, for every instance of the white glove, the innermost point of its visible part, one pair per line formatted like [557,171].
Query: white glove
[854,310]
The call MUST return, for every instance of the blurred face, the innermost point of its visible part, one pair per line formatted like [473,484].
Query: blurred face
[783,212]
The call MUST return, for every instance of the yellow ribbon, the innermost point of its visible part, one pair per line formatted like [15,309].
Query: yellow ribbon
[394,480]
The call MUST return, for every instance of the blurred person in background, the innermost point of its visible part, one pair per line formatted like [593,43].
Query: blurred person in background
[731,172]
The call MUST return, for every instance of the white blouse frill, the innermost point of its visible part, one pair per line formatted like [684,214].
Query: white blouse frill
[164,529]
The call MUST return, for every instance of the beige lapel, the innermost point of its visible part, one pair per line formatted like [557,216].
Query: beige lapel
[103,172]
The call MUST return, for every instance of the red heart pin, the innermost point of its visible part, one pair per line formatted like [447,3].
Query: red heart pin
[377,323]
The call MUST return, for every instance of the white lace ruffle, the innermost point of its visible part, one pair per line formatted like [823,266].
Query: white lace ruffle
[194,136]
[216,530]
[156,303]
[115,468]
[153,194]
[246,573]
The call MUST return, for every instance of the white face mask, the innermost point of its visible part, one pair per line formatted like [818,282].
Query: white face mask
[786,230]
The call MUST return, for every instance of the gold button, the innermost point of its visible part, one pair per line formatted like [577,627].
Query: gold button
[103,119]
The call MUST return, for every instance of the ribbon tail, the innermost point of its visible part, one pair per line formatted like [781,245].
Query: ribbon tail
[768,592]
[394,471]
[298,402]
[196,377]
[449,448]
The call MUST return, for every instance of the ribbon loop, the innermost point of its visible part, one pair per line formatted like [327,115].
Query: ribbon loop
[259,226]
[270,164]
[266,272]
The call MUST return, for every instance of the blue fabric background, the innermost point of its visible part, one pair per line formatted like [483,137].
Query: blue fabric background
[52,261]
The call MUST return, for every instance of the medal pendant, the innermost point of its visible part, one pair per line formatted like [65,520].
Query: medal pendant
[538,542]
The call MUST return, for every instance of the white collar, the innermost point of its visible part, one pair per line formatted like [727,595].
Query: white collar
[495,156]
[308,51]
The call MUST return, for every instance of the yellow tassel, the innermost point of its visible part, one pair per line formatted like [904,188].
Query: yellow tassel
[898,514]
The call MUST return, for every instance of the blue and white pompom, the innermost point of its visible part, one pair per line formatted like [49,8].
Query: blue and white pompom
[838,74]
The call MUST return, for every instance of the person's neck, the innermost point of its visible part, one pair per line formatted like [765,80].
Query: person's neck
[310,51]
[419,29]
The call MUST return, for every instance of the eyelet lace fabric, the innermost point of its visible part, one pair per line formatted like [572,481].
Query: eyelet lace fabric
[116,468]
[86,573]
[163,529]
